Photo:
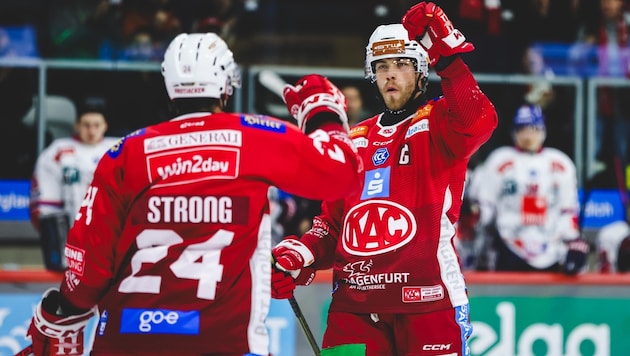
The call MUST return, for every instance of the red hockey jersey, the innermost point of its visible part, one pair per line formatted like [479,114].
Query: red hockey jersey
[172,241]
[393,241]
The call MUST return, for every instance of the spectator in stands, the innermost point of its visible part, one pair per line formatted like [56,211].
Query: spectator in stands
[18,84]
[77,28]
[608,32]
[613,245]
[356,110]
[528,201]
[62,174]
[484,24]
[222,17]
[543,21]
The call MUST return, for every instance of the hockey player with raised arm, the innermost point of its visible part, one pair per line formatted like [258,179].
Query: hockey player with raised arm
[397,286]
[170,249]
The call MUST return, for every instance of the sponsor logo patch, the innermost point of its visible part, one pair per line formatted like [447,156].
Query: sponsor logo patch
[358,131]
[423,112]
[360,142]
[422,294]
[116,149]
[264,123]
[159,321]
[376,183]
[75,257]
[388,47]
[197,138]
[387,131]
[420,126]
[187,166]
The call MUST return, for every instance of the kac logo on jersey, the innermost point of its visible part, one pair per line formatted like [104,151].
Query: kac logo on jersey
[376,183]
[159,321]
[387,131]
[380,156]
[377,226]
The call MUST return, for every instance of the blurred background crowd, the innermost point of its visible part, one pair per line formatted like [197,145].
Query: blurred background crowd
[546,38]
[539,37]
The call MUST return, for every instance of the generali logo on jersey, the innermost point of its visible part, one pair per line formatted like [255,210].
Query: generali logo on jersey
[377,226]
[197,138]
[188,166]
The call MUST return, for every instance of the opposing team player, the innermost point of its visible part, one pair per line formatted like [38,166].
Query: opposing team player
[61,176]
[613,245]
[528,201]
[171,246]
[397,285]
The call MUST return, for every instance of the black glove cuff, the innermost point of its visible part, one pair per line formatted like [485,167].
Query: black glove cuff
[54,303]
[319,119]
[444,62]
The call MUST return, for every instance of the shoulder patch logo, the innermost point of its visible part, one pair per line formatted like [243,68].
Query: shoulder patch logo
[264,123]
[358,131]
[423,112]
[116,149]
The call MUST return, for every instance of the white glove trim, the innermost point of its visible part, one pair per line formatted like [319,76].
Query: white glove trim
[297,245]
[454,39]
[54,330]
[426,42]
[321,100]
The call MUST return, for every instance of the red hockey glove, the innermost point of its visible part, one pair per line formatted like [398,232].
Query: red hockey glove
[55,333]
[291,255]
[283,284]
[428,24]
[314,94]
[576,256]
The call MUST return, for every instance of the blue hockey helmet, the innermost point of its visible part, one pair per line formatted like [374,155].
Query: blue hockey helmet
[529,115]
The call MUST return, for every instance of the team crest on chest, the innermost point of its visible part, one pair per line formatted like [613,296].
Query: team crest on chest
[380,156]
[377,226]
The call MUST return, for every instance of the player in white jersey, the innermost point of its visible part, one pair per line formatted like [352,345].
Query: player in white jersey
[61,176]
[528,201]
[613,245]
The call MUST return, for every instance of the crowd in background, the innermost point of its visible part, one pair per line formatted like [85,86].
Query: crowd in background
[511,37]
[503,30]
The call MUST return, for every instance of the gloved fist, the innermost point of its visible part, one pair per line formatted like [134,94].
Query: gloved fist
[55,333]
[291,255]
[576,256]
[314,94]
[428,24]
[283,284]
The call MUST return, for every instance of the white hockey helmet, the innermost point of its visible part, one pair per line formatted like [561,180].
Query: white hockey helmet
[199,65]
[392,41]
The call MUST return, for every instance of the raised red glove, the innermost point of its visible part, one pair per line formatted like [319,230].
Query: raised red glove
[283,284]
[314,94]
[55,333]
[292,255]
[428,24]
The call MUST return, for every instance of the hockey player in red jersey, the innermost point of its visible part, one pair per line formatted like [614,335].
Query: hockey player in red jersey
[397,284]
[171,247]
